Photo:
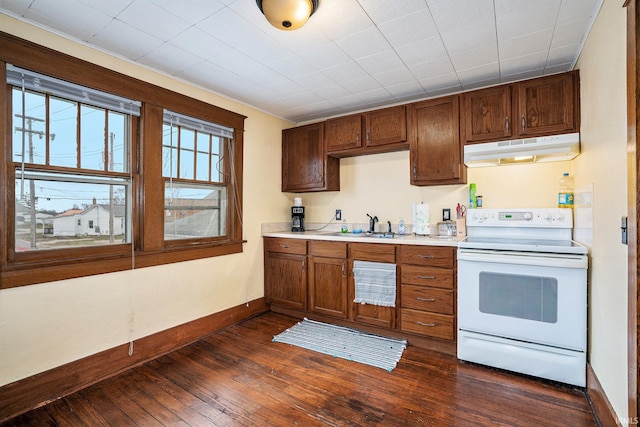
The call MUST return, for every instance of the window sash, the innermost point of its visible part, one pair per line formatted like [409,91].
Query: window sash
[198,125]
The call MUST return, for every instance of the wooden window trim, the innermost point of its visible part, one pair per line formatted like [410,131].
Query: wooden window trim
[148,183]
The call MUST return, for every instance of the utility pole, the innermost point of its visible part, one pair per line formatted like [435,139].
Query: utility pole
[112,136]
[32,185]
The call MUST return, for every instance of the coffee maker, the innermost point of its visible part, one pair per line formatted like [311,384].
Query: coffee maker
[297,215]
[297,218]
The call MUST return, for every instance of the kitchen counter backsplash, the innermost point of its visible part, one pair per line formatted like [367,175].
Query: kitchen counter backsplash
[318,231]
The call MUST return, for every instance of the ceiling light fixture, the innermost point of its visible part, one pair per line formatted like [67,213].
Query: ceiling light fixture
[287,14]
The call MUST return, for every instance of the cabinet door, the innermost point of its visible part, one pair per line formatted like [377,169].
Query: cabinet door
[328,286]
[546,105]
[305,166]
[434,143]
[385,126]
[286,280]
[343,133]
[487,114]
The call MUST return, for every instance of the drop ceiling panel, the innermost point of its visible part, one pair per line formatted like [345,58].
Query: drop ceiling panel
[350,56]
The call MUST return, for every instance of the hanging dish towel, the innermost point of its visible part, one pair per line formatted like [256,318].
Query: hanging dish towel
[375,283]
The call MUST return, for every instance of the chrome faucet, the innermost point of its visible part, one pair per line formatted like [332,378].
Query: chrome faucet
[390,231]
[372,223]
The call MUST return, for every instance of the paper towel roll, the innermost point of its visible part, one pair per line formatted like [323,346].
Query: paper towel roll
[421,219]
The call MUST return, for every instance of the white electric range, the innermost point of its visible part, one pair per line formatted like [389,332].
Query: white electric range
[522,293]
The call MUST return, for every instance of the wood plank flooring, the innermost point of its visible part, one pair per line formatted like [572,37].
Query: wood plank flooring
[239,377]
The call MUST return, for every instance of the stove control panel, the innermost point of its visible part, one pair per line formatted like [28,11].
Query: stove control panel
[521,217]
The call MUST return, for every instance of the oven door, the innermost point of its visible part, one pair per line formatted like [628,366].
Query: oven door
[531,297]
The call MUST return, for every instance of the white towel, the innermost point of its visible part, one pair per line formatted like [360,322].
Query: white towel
[375,283]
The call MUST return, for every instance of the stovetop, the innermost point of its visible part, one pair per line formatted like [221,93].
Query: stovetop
[540,230]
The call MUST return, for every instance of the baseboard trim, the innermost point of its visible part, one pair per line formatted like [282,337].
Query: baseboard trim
[31,392]
[600,405]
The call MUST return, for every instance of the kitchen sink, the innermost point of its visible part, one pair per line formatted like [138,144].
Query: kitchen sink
[363,235]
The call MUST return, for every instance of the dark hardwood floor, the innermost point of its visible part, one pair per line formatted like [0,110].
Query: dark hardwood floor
[238,376]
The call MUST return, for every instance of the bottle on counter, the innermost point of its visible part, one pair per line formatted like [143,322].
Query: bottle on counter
[472,196]
[401,226]
[344,228]
[478,202]
[565,191]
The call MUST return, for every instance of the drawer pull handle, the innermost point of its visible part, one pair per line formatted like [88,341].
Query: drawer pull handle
[426,299]
[427,256]
[430,325]
[427,277]
[285,246]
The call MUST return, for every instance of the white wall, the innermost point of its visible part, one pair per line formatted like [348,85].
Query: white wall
[46,325]
[604,138]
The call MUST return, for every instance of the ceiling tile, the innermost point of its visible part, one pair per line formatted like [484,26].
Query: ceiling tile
[409,28]
[522,63]
[196,12]
[364,43]
[475,57]
[532,42]
[178,59]
[199,43]
[69,16]
[515,18]
[422,51]
[18,7]
[385,11]
[111,7]
[481,33]
[461,15]
[156,22]
[479,74]
[380,62]
[138,43]
[438,67]
[352,18]
[568,34]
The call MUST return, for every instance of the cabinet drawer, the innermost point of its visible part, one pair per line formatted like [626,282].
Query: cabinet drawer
[428,299]
[436,256]
[426,276]
[373,252]
[430,324]
[325,249]
[287,246]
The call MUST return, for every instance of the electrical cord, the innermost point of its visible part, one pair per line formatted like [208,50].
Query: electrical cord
[324,226]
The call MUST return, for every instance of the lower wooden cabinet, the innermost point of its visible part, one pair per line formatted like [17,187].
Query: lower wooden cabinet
[315,276]
[428,298]
[285,272]
[328,278]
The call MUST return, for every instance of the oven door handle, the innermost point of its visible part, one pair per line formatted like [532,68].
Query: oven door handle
[523,258]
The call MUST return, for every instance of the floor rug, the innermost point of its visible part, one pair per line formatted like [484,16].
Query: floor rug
[346,343]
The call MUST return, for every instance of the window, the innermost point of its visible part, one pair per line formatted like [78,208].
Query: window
[86,146]
[71,153]
[196,177]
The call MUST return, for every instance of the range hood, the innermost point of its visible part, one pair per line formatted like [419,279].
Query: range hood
[517,151]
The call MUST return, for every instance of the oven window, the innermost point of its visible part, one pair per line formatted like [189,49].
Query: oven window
[522,297]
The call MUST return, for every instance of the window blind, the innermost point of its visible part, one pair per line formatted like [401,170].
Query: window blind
[198,125]
[31,80]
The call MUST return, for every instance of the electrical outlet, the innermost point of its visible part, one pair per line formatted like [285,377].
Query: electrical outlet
[338,214]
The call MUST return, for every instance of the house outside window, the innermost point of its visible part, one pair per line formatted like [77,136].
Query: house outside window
[71,146]
[196,176]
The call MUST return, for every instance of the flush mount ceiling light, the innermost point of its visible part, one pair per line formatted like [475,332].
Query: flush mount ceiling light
[287,14]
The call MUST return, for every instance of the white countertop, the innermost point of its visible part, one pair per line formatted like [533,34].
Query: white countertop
[282,230]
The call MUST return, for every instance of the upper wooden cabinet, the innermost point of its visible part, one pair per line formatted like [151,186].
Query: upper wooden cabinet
[435,152]
[487,114]
[547,105]
[385,126]
[305,165]
[531,108]
[343,133]
[376,131]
